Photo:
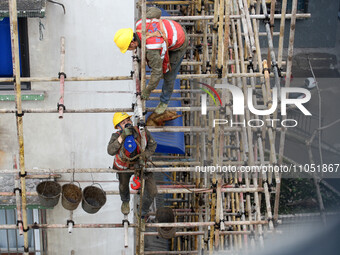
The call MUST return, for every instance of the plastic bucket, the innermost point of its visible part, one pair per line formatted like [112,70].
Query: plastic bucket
[49,193]
[93,199]
[71,196]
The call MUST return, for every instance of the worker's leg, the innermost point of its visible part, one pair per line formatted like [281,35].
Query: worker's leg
[150,191]
[176,58]
[124,191]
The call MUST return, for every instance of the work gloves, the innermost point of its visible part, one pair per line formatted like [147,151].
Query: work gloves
[126,132]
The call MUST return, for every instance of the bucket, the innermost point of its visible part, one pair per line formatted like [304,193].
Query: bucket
[93,198]
[71,196]
[49,193]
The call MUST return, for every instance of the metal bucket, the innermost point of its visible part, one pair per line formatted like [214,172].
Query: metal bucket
[93,198]
[49,193]
[71,196]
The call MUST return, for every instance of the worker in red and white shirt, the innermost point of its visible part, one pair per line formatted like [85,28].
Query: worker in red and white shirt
[166,44]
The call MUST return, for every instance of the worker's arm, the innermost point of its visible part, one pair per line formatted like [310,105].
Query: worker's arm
[156,64]
[151,144]
[114,144]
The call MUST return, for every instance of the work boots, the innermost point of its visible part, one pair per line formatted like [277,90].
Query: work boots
[161,107]
[159,120]
[125,208]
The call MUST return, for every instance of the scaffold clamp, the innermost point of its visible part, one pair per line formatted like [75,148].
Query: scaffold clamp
[60,74]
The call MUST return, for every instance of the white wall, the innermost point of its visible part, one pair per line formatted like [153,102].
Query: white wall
[89,27]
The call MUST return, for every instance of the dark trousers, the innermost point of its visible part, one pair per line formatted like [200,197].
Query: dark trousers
[175,58]
[150,190]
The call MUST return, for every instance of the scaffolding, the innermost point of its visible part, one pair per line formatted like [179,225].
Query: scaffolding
[229,210]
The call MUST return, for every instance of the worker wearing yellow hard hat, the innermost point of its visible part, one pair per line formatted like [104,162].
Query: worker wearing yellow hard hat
[123,38]
[118,117]
[124,145]
[166,46]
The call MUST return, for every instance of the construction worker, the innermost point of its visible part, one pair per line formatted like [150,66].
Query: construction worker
[125,146]
[166,44]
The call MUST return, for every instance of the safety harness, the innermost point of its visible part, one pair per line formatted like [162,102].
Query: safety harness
[158,28]
[130,150]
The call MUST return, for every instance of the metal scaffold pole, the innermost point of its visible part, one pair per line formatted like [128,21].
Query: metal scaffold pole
[287,84]
[19,114]
[213,211]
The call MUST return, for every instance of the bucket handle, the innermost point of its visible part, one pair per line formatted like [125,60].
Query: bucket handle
[100,187]
[45,183]
[76,182]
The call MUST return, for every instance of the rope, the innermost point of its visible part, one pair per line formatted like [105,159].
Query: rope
[142,154]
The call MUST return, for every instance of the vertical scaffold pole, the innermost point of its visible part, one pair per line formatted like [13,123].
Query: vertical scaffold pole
[141,124]
[62,77]
[19,113]
[287,84]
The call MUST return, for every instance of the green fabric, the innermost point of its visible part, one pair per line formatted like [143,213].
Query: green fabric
[33,97]
[153,13]
[146,93]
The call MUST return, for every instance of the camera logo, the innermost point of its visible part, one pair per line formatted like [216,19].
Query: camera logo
[204,97]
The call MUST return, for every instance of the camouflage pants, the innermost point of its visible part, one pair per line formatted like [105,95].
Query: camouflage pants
[150,190]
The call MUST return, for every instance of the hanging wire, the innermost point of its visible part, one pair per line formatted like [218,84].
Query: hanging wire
[41,28]
[92,178]
[54,2]
[73,162]
[320,112]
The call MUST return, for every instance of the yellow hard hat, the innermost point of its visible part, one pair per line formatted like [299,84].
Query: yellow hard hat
[118,117]
[123,38]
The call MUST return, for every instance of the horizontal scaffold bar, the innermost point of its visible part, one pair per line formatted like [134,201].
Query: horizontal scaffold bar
[109,110]
[252,16]
[229,75]
[112,110]
[36,226]
[170,2]
[229,62]
[163,191]
[119,225]
[174,163]
[197,224]
[170,252]
[115,78]
[199,233]
[183,129]
[56,79]
[238,164]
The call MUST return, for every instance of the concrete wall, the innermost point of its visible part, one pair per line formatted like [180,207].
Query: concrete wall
[89,28]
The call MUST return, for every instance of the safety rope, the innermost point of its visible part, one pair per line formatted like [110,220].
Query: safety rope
[141,154]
